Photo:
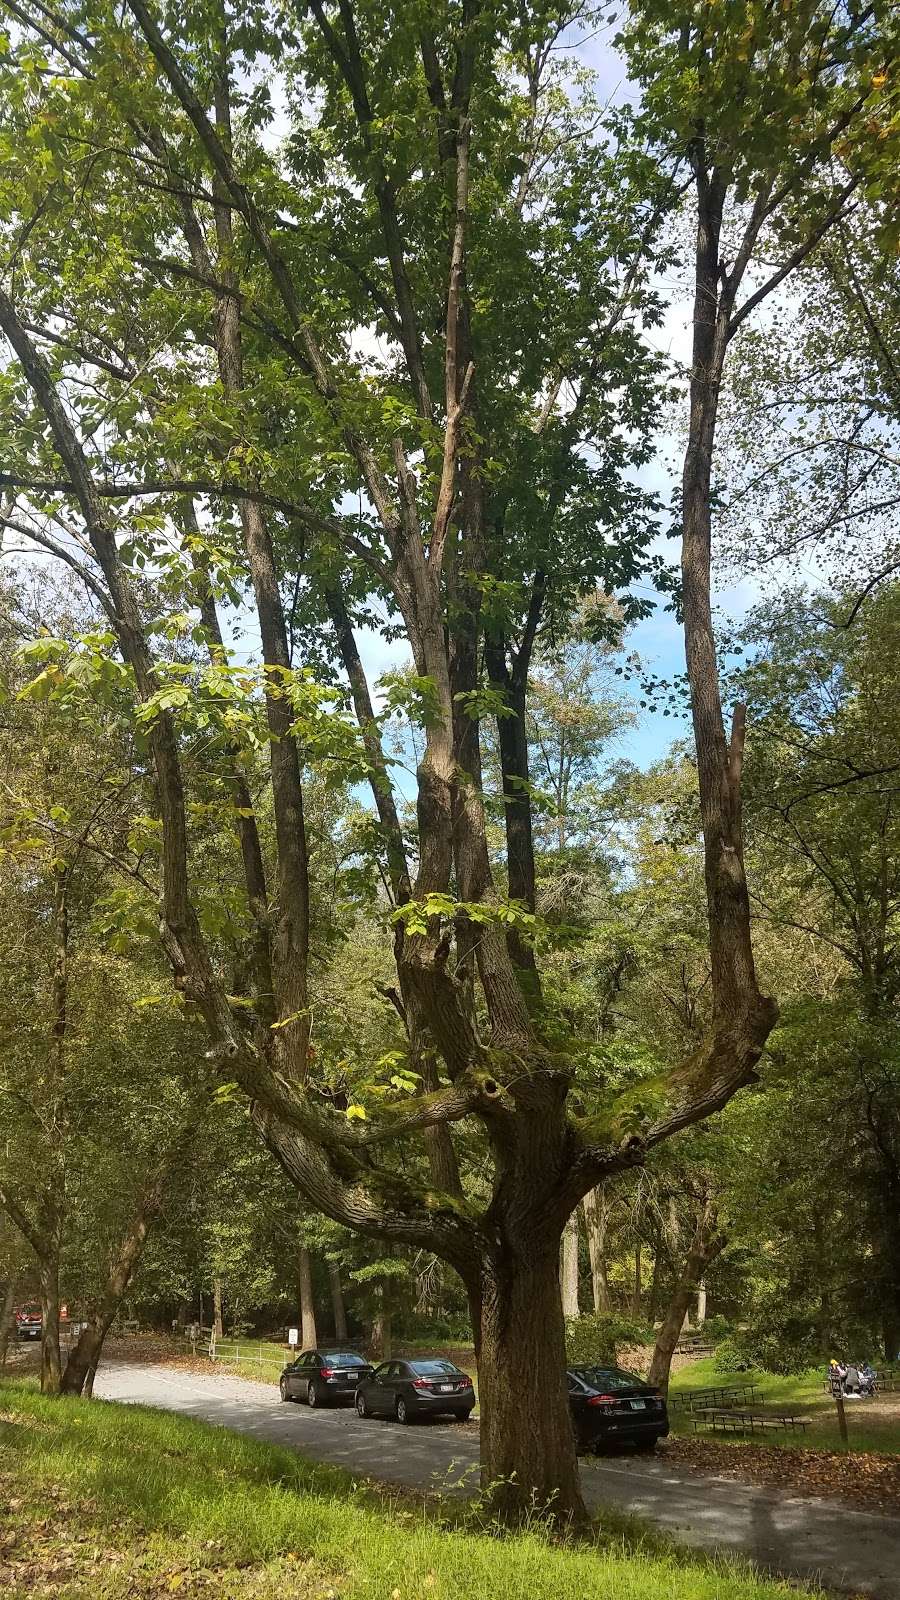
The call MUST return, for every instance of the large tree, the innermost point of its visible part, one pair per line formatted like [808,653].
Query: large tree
[403,341]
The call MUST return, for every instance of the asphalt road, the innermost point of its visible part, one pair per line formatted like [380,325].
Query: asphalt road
[819,1540]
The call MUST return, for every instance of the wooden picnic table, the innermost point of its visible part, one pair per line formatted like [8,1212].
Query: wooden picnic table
[736,1420]
[717,1395]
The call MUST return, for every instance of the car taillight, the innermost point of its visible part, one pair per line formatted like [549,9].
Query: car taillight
[466,1383]
[328,1372]
[602,1400]
[421,1383]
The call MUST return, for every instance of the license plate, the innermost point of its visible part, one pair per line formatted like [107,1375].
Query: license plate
[446,1388]
[638,1405]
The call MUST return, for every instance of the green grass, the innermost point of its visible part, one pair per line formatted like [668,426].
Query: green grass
[254,1358]
[803,1394]
[114,1501]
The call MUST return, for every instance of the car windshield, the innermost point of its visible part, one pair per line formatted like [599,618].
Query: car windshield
[433,1369]
[343,1358]
[609,1378]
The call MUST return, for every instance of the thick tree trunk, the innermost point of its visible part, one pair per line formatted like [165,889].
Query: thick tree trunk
[337,1302]
[705,1246]
[218,1329]
[569,1267]
[527,1445]
[81,1367]
[82,1364]
[6,1318]
[51,1361]
[308,1335]
[596,1212]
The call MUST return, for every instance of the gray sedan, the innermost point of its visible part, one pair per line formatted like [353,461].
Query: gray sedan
[410,1389]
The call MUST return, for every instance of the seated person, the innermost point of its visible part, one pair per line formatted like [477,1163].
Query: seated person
[866,1378]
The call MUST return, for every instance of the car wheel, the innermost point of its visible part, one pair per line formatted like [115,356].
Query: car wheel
[312,1399]
[402,1410]
[362,1409]
[461,1416]
[284,1390]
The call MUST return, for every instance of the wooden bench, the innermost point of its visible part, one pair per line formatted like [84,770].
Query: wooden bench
[716,1395]
[737,1421]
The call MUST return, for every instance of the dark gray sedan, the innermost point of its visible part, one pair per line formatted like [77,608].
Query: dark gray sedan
[410,1389]
[324,1377]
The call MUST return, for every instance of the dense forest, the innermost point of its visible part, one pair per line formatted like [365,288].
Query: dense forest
[373,376]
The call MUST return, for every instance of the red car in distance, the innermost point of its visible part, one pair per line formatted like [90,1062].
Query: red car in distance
[29,1321]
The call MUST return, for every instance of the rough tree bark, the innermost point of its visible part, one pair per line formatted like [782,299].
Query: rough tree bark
[705,1245]
[308,1335]
[218,1330]
[81,1367]
[569,1267]
[48,1280]
[526,1431]
[596,1211]
[84,1358]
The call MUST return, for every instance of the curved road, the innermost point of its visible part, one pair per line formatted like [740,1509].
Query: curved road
[819,1540]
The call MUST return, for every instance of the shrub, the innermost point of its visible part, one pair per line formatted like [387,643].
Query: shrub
[731,1357]
[716,1328]
[597,1338]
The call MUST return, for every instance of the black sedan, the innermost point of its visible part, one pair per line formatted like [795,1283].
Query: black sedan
[610,1406]
[410,1389]
[324,1377]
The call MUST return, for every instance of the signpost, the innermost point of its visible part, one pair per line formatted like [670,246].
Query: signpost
[841,1414]
[293,1337]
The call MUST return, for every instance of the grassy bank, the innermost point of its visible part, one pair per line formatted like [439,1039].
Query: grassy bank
[103,1501]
